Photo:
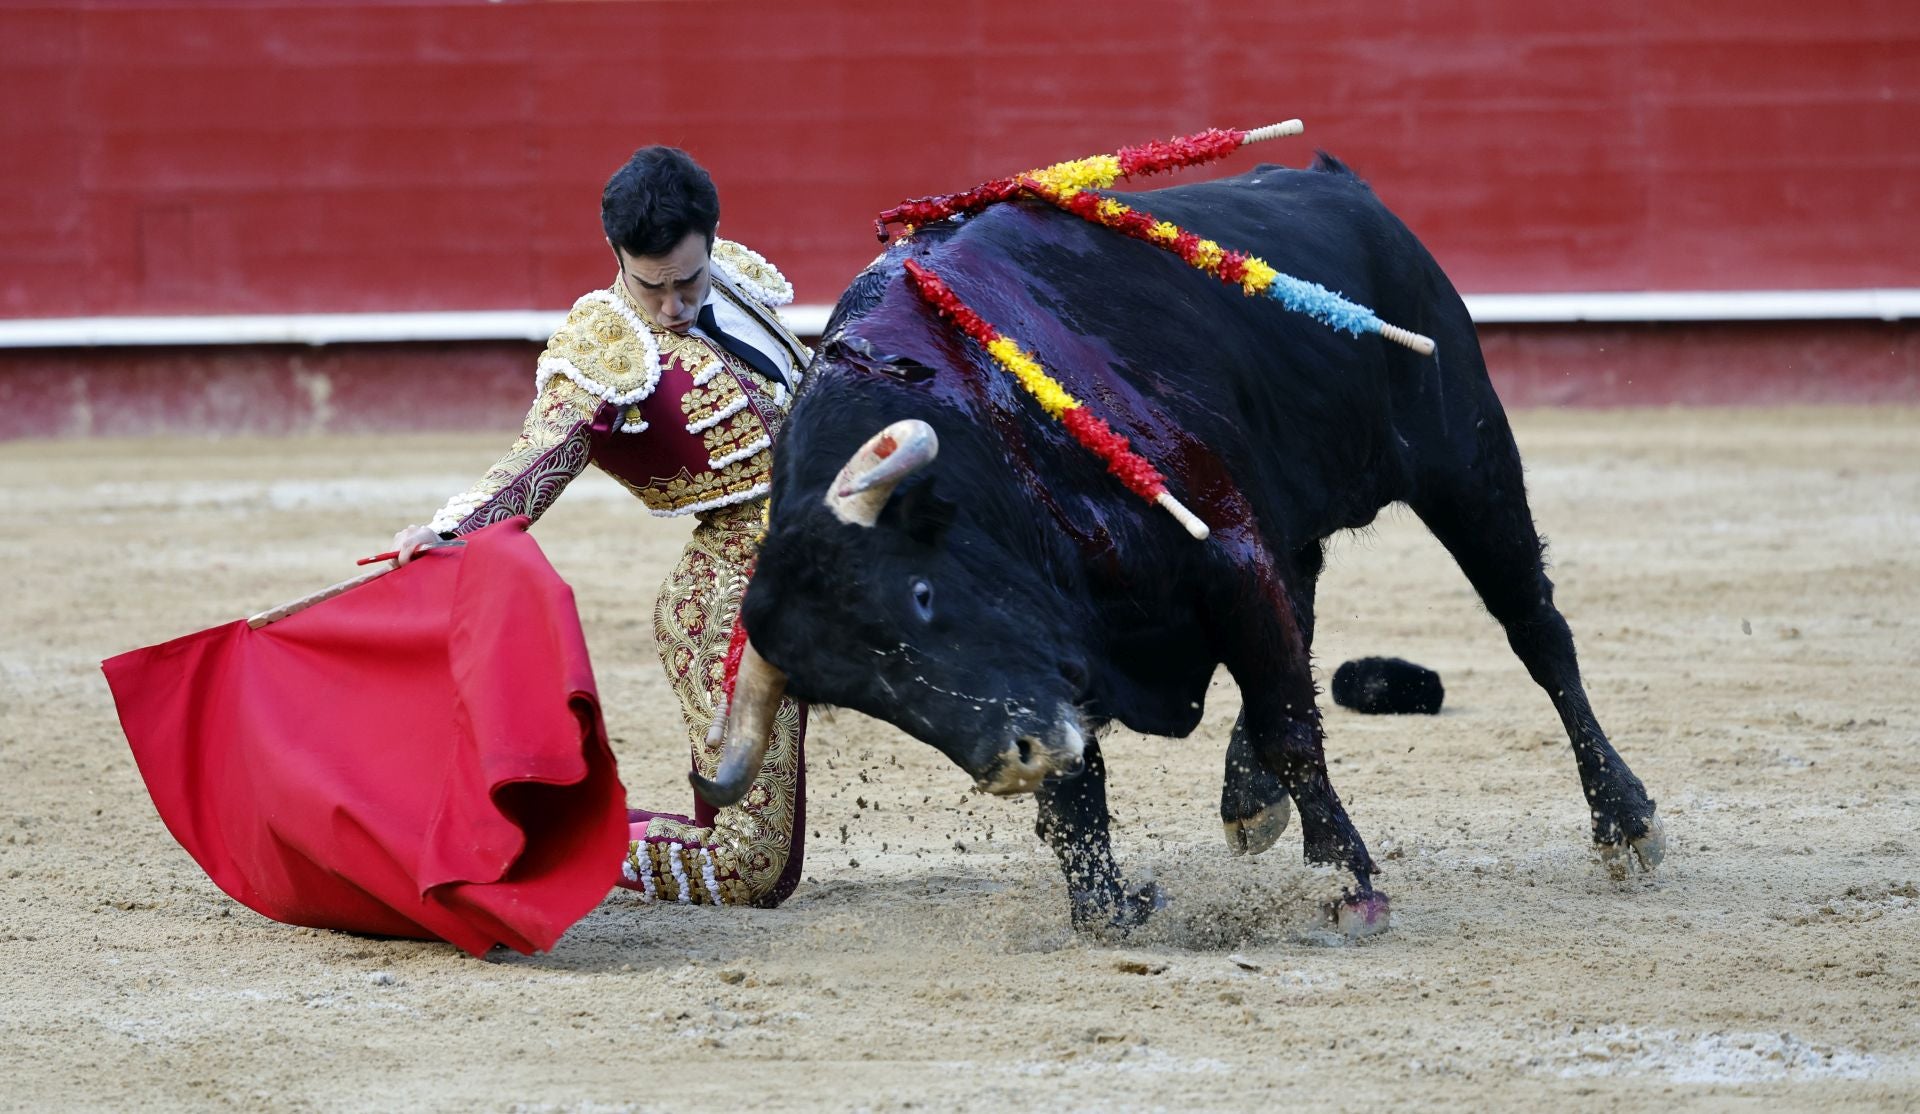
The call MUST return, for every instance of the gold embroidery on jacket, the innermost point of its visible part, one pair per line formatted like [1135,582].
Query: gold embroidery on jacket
[741,440]
[551,450]
[721,398]
[606,341]
[748,845]
[755,277]
[607,351]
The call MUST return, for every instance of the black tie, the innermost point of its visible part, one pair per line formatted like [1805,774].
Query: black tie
[753,357]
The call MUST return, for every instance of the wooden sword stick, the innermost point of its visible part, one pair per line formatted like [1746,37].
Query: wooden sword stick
[294,607]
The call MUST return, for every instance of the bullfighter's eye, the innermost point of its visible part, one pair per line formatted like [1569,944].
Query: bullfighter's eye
[923,599]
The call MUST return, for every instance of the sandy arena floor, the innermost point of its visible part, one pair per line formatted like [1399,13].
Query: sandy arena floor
[1746,591]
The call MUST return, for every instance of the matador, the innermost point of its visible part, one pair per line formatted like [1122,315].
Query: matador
[674,380]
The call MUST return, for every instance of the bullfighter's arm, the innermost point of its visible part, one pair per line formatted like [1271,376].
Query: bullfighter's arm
[552,449]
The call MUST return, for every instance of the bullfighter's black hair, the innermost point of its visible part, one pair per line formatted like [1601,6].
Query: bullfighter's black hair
[660,195]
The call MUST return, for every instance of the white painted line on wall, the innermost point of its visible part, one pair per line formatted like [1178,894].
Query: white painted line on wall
[1883,304]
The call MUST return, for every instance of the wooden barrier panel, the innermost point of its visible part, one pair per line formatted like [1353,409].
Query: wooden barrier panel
[370,388]
[167,157]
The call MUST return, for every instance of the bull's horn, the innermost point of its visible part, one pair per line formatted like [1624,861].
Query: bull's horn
[757,689]
[888,457]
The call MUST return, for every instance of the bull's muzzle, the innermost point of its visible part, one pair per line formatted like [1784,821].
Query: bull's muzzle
[1030,760]
[748,729]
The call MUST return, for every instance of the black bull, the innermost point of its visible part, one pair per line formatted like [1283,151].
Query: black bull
[1007,598]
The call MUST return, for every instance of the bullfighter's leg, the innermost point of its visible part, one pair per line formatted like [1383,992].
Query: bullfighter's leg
[1253,802]
[1486,526]
[1073,821]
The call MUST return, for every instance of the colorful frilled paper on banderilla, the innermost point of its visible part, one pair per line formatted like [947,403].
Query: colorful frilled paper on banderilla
[1069,186]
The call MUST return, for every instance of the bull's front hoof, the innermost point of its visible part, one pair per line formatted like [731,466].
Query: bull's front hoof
[1361,915]
[1642,853]
[1142,901]
[1258,832]
[1119,911]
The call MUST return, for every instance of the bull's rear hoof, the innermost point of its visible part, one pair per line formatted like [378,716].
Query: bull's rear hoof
[1258,832]
[1358,916]
[1642,854]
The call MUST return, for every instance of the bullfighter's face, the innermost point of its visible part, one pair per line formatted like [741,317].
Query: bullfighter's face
[670,288]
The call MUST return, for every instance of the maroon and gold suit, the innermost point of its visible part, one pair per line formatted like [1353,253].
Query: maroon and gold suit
[689,428]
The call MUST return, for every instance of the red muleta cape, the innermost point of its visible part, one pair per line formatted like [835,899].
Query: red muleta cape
[422,756]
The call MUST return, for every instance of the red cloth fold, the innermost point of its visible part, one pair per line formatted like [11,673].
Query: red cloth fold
[422,756]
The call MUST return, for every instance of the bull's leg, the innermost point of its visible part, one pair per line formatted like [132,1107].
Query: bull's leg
[1486,526]
[1253,802]
[1073,821]
[1285,730]
[1264,629]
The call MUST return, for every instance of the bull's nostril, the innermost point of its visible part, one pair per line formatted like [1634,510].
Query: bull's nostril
[1076,766]
[1025,747]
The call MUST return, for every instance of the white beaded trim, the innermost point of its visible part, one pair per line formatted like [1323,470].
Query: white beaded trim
[451,515]
[754,492]
[634,874]
[761,442]
[550,366]
[766,294]
[636,426]
[679,873]
[718,416]
[706,871]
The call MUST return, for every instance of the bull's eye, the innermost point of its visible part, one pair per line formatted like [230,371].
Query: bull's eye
[923,598]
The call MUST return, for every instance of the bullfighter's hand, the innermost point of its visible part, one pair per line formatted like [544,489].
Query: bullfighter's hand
[407,541]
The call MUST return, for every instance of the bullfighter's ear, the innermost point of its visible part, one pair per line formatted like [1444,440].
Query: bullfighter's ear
[922,513]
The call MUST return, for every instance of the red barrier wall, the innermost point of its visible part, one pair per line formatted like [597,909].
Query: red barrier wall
[365,388]
[213,157]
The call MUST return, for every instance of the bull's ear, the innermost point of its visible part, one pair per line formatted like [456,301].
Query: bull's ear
[922,513]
